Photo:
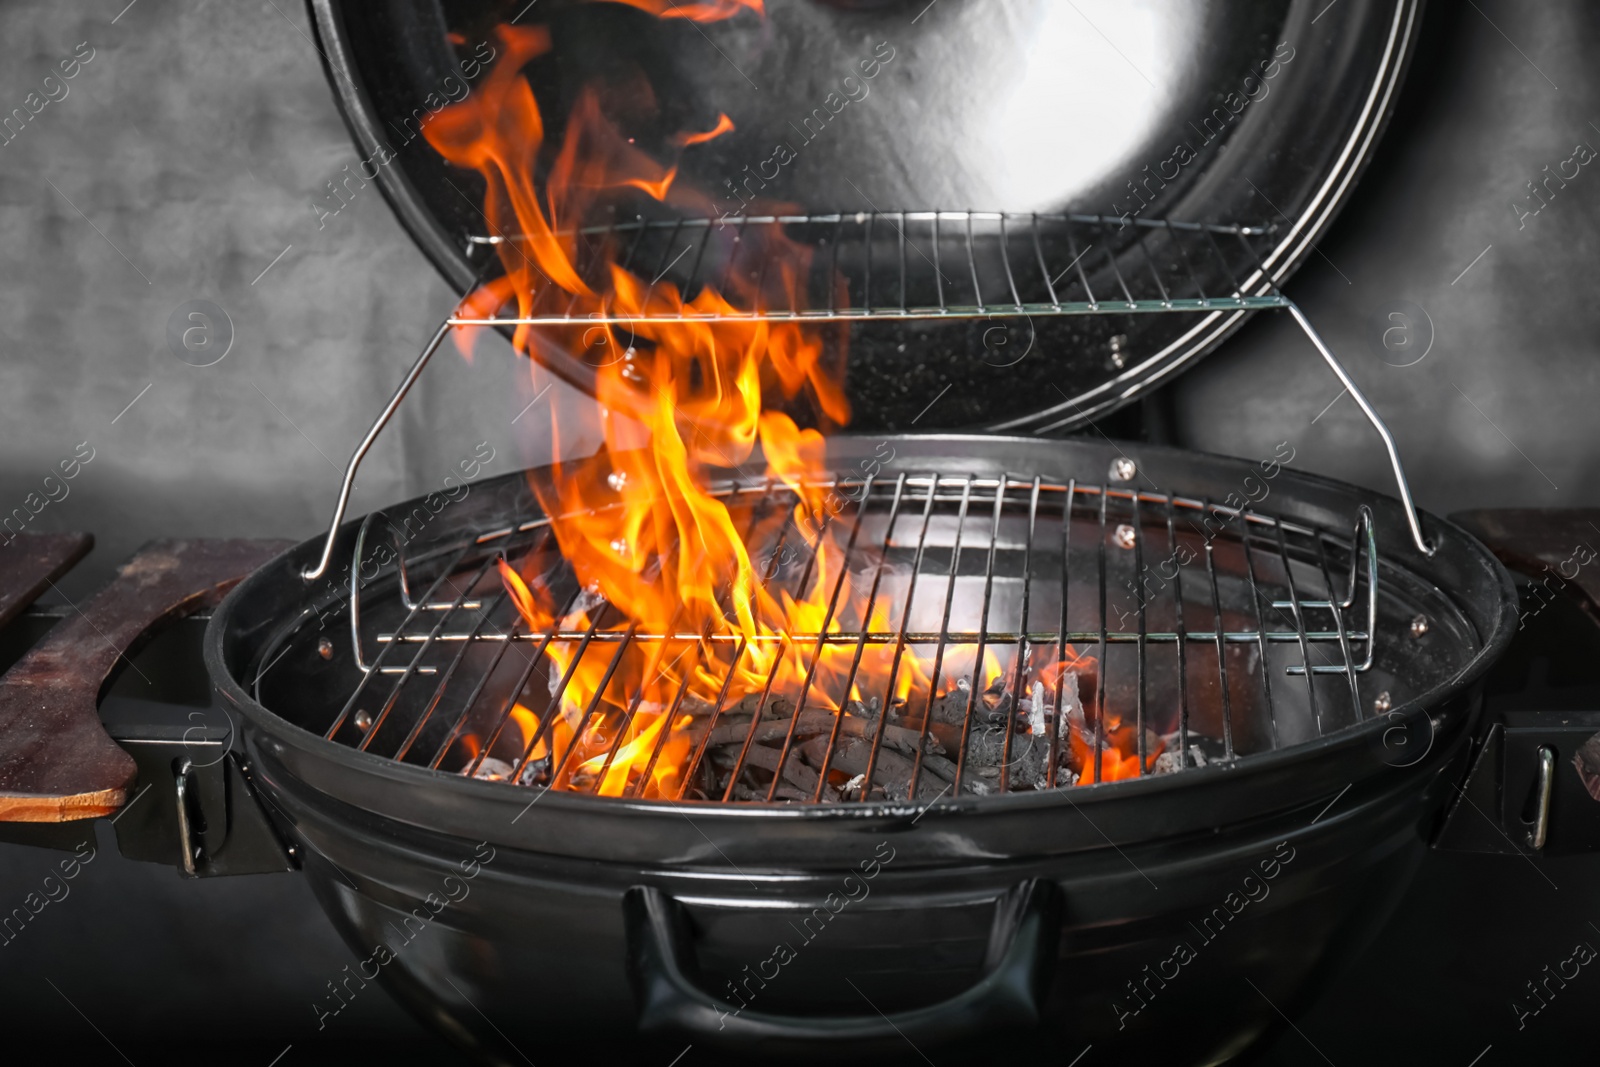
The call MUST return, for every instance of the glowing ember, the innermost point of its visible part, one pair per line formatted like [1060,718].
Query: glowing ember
[660,552]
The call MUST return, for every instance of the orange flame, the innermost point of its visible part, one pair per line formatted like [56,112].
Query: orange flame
[659,552]
[706,11]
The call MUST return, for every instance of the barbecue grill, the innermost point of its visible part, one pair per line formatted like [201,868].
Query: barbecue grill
[1142,674]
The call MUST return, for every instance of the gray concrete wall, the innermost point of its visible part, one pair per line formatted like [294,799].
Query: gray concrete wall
[181,164]
[1501,411]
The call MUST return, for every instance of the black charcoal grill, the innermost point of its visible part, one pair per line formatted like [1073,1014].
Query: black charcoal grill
[1292,661]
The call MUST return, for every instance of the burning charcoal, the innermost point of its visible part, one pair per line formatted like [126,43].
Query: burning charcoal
[693,705]
[1071,704]
[493,770]
[813,723]
[990,708]
[868,710]
[893,772]
[952,706]
[785,792]
[794,769]
[777,707]
[534,772]
[1167,762]
[1038,708]
[1029,762]
[996,700]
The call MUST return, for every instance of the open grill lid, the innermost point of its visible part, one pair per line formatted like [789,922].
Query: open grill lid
[1039,149]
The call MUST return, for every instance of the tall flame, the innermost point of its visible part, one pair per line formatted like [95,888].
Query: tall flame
[640,527]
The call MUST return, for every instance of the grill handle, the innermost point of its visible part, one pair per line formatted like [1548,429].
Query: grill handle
[1018,965]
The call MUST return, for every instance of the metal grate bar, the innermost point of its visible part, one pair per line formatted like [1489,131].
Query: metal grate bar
[1300,629]
[557,766]
[1122,283]
[483,680]
[1346,657]
[904,296]
[978,685]
[662,264]
[1222,651]
[833,270]
[636,787]
[733,256]
[1155,272]
[1100,689]
[447,677]
[1139,688]
[1005,258]
[1188,265]
[1179,625]
[516,690]
[972,265]
[866,278]
[382,717]
[692,767]
[1019,665]
[987,249]
[1216,251]
[383,653]
[1044,269]
[627,724]
[1364,538]
[1061,641]
[861,643]
[900,640]
[1083,276]
[784,642]
[1261,627]
[816,651]
[633,249]
[944,639]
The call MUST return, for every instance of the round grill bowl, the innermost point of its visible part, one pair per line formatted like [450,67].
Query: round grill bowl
[594,911]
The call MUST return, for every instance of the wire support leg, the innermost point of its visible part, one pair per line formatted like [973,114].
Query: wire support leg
[1377,424]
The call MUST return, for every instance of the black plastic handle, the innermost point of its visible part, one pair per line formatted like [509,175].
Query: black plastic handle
[1019,962]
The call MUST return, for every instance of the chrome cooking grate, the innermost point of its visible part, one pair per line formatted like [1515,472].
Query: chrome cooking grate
[916,265]
[1192,623]
[924,264]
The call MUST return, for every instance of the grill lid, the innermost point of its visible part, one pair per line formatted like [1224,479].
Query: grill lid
[1257,116]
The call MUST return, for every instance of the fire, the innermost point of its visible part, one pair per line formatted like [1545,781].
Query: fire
[655,552]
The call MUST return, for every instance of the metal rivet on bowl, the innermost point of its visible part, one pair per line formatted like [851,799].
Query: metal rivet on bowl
[1383,702]
[1419,626]
[1123,469]
[1119,350]
[363,720]
[325,648]
[1125,536]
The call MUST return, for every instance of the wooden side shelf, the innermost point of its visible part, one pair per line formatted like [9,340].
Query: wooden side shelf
[57,763]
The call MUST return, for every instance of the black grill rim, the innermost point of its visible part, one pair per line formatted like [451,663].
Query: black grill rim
[1462,568]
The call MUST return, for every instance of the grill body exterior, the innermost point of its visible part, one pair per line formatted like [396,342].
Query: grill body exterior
[1053,917]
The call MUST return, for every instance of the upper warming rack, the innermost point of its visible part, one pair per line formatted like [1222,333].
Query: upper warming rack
[873,266]
[906,266]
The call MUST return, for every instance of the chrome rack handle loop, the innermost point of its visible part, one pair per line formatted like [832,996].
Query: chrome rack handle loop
[311,574]
[1365,537]
[355,592]
[1377,424]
